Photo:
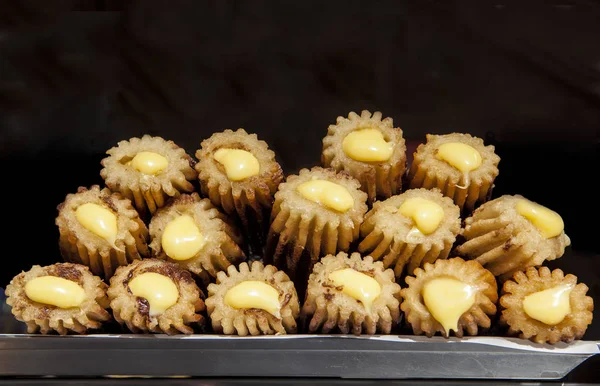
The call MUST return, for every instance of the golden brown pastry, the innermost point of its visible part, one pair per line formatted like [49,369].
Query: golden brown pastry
[63,298]
[351,294]
[316,213]
[148,171]
[256,300]
[100,229]
[546,307]
[239,174]
[511,233]
[459,165]
[191,232]
[368,148]
[410,229]
[450,295]
[157,296]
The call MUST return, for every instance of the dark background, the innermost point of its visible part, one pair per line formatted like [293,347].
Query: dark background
[78,76]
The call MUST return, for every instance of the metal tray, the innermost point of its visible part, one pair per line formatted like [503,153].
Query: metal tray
[338,356]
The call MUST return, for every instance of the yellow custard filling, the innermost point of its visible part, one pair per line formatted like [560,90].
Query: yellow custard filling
[550,306]
[254,294]
[547,221]
[98,220]
[159,290]
[367,145]
[447,300]
[55,291]
[239,164]
[460,156]
[329,194]
[182,239]
[148,162]
[357,285]
[426,215]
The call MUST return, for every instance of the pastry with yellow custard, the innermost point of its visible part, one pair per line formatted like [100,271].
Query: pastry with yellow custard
[448,296]
[368,148]
[156,296]
[350,294]
[148,171]
[191,232]
[546,306]
[100,229]
[64,298]
[316,213]
[408,230]
[459,165]
[239,174]
[511,233]
[253,300]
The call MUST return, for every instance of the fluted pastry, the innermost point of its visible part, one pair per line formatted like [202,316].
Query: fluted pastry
[511,233]
[351,294]
[63,298]
[408,230]
[450,295]
[239,173]
[148,171]
[459,165]
[191,232]
[157,296]
[254,300]
[316,213]
[368,148]
[546,306]
[100,229]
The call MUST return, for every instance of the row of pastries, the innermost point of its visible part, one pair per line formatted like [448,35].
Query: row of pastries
[361,244]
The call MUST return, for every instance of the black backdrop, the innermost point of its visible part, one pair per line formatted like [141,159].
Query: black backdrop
[77,76]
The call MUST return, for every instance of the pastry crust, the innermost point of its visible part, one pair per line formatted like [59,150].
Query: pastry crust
[231,321]
[133,311]
[379,179]
[148,192]
[305,230]
[505,242]
[572,327]
[79,245]
[222,239]
[469,272]
[250,199]
[468,191]
[47,319]
[386,233]
[327,308]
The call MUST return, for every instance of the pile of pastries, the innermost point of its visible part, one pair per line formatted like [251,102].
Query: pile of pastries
[361,244]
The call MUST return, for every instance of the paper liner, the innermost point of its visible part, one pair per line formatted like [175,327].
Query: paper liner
[572,327]
[148,192]
[328,309]
[250,199]
[386,234]
[46,319]
[505,242]
[79,245]
[231,321]
[133,311]
[468,191]
[470,272]
[379,179]
[302,230]
[222,239]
